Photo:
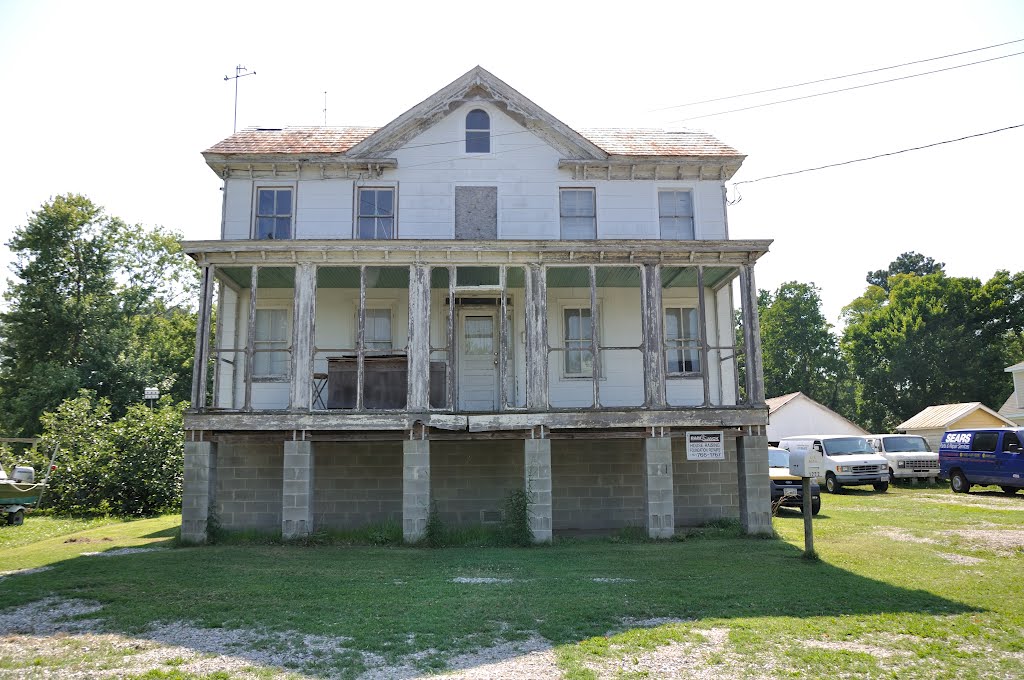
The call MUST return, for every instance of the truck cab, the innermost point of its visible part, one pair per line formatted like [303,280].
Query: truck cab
[846,460]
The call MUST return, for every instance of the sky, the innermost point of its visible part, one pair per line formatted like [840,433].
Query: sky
[116,100]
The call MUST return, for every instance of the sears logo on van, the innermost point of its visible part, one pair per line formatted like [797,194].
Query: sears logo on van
[957,441]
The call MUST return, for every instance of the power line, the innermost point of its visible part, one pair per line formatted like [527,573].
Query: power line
[846,89]
[825,80]
[881,155]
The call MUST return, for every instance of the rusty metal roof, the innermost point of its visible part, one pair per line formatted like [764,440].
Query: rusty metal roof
[655,142]
[944,415]
[330,140]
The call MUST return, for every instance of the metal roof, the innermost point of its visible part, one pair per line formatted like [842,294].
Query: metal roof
[942,416]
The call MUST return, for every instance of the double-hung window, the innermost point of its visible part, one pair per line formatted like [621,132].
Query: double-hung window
[274,212]
[675,214]
[271,341]
[478,132]
[682,340]
[375,218]
[579,336]
[577,213]
[377,331]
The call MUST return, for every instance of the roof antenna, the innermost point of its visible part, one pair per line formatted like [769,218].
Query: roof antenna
[238,74]
[325,108]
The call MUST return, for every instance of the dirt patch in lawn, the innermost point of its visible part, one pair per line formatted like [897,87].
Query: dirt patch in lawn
[901,535]
[999,541]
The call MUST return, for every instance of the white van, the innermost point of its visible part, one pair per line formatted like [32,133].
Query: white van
[845,460]
[908,455]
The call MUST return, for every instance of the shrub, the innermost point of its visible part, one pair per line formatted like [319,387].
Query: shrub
[515,528]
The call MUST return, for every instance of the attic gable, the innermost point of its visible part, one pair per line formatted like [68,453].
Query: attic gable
[478,85]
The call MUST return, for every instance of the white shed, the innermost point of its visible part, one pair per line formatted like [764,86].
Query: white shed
[794,414]
[932,422]
[1013,409]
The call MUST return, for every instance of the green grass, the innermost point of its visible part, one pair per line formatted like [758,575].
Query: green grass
[38,527]
[875,604]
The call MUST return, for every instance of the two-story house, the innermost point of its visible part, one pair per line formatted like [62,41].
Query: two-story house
[473,299]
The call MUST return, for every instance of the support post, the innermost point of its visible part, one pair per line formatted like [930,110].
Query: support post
[536,339]
[659,492]
[538,487]
[297,496]
[419,338]
[304,317]
[415,488]
[198,490]
[202,353]
[652,320]
[752,337]
[755,493]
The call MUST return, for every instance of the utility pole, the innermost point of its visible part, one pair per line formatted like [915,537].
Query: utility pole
[238,74]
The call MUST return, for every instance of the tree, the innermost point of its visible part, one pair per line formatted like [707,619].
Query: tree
[933,340]
[97,304]
[907,263]
[800,353]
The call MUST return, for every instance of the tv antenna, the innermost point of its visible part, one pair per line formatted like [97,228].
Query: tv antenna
[238,74]
[325,108]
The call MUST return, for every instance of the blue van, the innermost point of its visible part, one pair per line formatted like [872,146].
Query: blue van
[983,456]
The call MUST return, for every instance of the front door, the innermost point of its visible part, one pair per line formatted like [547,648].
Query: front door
[478,360]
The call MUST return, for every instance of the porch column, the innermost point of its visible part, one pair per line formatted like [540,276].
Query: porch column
[304,316]
[654,374]
[297,492]
[538,487]
[415,488]
[419,338]
[536,339]
[204,319]
[658,489]
[198,490]
[752,337]
[755,494]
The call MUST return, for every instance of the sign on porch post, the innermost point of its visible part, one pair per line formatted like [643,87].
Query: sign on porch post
[705,445]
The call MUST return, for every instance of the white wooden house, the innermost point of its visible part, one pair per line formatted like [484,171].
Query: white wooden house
[472,299]
[1013,408]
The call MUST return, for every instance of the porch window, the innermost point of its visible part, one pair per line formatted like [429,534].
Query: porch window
[271,342]
[274,213]
[478,132]
[675,214]
[682,340]
[577,213]
[579,335]
[375,217]
[377,332]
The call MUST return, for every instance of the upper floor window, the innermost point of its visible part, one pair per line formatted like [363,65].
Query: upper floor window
[577,213]
[478,132]
[579,336]
[377,331]
[675,214]
[274,212]
[682,340]
[375,218]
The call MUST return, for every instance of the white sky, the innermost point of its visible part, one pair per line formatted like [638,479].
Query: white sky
[117,100]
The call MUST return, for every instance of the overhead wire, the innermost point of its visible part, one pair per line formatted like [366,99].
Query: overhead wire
[825,80]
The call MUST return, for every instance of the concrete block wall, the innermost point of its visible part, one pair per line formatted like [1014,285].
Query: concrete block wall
[467,478]
[597,484]
[249,485]
[357,483]
[704,490]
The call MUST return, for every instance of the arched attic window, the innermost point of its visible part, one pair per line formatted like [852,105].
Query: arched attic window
[478,132]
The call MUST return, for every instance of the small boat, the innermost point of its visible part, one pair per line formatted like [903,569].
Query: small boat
[19,492]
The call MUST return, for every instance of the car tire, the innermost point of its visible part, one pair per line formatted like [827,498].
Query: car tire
[832,484]
[958,482]
[881,486]
[1009,490]
[815,506]
[892,477]
[16,518]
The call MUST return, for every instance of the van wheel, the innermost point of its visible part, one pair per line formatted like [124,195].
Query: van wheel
[815,506]
[881,486]
[892,477]
[832,484]
[17,518]
[958,482]
[1009,490]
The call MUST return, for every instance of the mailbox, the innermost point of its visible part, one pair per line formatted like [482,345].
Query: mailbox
[805,461]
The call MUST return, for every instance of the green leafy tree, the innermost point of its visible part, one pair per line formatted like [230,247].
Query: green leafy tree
[800,353]
[907,263]
[932,340]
